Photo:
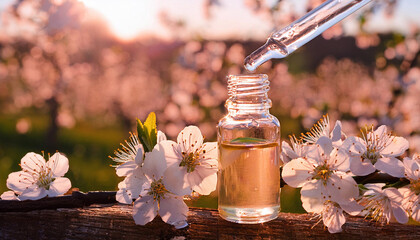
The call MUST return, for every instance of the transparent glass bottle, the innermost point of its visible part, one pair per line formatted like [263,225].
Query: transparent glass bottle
[249,153]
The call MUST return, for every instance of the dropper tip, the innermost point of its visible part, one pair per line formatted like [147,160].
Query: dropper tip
[249,65]
[271,49]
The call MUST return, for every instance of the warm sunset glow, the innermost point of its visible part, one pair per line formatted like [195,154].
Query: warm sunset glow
[127,19]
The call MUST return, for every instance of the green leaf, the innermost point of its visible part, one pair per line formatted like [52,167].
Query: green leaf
[403,182]
[147,132]
[248,140]
[362,187]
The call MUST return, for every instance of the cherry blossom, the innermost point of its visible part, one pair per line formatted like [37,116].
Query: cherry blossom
[376,150]
[321,175]
[322,128]
[39,178]
[411,192]
[383,204]
[131,156]
[332,213]
[130,187]
[297,150]
[155,198]
[192,162]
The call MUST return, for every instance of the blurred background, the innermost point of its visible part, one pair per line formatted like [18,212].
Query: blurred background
[75,74]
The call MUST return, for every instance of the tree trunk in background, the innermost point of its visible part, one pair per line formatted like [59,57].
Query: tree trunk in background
[52,131]
[126,121]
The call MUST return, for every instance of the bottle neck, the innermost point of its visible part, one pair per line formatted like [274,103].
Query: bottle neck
[248,94]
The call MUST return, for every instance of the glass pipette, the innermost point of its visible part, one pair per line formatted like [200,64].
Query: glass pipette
[285,41]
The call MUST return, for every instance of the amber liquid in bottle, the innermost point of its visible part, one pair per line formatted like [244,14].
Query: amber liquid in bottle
[249,181]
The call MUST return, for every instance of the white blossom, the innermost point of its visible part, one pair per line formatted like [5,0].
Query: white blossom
[321,175]
[191,162]
[38,178]
[322,128]
[332,214]
[155,198]
[131,156]
[297,150]
[376,150]
[383,205]
[130,187]
[411,192]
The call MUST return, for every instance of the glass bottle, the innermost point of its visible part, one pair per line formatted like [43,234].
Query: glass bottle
[249,153]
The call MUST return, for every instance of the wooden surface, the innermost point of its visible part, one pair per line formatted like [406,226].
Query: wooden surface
[114,221]
[75,200]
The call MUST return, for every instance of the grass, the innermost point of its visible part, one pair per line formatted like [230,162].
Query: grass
[86,146]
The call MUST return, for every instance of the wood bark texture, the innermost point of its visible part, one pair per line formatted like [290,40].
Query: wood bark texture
[114,221]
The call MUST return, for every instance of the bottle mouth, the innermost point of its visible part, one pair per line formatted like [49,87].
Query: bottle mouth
[248,84]
[248,91]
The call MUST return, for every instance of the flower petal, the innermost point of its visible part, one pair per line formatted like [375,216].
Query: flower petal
[144,210]
[352,207]
[412,169]
[287,153]
[399,213]
[203,180]
[317,154]
[155,163]
[393,194]
[336,132]
[360,166]
[190,139]
[173,210]
[311,196]
[415,209]
[8,195]
[381,130]
[126,168]
[396,147]
[161,136]
[174,181]
[139,156]
[342,188]
[355,146]
[33,193]
[172,152]
[59,164]
[32,162]
[209,151]
[333,218]
[339,160]
[134,182]
[326,144]
[391,166]
[377,187]
[298,171]
[19,181]
[123,197]
[59,186]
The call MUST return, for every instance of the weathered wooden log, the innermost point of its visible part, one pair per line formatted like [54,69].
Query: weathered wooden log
[115,221]
[75,200]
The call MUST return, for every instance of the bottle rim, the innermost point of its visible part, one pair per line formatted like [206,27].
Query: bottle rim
[259,76]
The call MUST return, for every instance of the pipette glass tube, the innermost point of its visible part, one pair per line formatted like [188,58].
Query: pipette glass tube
[285,41]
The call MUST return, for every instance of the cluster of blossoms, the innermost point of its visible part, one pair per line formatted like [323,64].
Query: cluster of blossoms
[38,178]
[323,163]
[159,172]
